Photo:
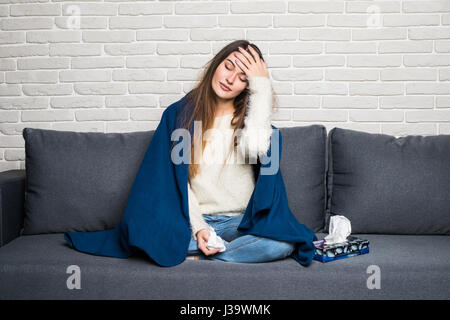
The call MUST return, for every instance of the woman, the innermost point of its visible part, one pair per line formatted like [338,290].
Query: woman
[171,203]
[234,93]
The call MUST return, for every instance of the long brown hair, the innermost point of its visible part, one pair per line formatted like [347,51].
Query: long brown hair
[203,102]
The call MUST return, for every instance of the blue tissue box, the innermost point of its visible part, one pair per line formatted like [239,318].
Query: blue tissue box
[353,246]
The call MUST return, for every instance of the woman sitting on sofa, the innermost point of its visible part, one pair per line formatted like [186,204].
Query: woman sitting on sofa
[175,210]
[234,93]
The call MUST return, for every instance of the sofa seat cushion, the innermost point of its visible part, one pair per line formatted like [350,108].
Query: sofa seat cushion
[411,267]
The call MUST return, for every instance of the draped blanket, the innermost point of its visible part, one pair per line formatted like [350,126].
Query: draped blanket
[156,216]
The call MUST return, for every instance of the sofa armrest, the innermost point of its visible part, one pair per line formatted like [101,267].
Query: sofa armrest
[12,196]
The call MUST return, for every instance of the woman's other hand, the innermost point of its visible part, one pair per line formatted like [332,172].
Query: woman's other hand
[202,238]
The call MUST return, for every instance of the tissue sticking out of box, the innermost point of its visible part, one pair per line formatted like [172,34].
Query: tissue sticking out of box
[340,229]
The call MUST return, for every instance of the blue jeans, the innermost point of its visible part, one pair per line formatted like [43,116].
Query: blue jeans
[242,248]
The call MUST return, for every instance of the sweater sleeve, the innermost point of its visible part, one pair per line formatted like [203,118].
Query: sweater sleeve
[195,216]
[255,136]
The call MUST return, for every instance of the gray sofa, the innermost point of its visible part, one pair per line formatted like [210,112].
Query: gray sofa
[395,191]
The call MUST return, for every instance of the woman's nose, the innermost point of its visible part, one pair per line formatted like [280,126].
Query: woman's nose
[230,79]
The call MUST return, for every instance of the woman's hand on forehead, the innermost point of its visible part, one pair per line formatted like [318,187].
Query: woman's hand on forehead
[251,64]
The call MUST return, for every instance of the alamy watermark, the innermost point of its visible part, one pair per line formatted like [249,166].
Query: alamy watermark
[74,19]
[374,19]
[270,160]
[74,280]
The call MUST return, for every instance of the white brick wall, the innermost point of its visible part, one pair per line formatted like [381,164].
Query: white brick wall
[114,65]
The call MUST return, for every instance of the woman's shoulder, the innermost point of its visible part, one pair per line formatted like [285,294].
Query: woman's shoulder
[176,107]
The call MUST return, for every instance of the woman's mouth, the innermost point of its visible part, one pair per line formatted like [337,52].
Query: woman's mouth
[224,88]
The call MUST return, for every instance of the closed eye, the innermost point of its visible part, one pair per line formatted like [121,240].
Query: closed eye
[231,67]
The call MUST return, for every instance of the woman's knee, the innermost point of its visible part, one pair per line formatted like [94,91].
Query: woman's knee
[290,248]
[268,249]
[280,249]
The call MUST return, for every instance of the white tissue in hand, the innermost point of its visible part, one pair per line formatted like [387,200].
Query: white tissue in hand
[340,229]
[215,241]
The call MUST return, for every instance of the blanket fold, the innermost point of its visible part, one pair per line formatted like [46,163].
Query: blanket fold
[156,216]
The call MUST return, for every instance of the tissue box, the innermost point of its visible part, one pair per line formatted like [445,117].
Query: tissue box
[352,247]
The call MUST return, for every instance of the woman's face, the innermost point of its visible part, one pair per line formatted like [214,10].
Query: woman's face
[229,74]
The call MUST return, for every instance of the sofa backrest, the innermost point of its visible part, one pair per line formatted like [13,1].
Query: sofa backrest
[303,167]
[389,185]
[80,181]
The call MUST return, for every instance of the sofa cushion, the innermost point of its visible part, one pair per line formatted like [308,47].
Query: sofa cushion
[390,185]
[79,181]
[303,166]
[35,267]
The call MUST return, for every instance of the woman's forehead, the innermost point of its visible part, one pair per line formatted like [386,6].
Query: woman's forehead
[231,59]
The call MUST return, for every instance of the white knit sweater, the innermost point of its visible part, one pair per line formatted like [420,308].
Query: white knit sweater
[227,191]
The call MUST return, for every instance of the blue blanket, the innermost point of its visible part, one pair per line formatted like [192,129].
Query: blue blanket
[156,216]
